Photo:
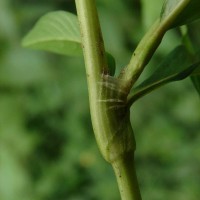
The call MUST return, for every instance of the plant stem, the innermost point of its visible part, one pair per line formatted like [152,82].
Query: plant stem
[126,177]
[143,54]
[95,62]
[92,42]
[150,43]
[109,113]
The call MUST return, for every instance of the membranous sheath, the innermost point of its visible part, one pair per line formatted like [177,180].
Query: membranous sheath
[112,100]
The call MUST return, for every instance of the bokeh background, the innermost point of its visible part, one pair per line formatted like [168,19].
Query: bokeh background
[47,147]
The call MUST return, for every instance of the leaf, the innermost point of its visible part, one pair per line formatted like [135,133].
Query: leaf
[176,66]
[57,32]
[111,64]
[196,72]
[196,82]
[179,12]
[189,14]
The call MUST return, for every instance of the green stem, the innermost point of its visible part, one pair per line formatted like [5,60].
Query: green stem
[126,177]
[109,113]
[150,43]
[92,42]
[95,63]
[143,54]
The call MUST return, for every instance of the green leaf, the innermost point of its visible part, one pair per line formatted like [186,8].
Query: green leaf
[57,32]
[180,12]
[189,14]
[196,72]
[196,82]
[111,64]
[176,66]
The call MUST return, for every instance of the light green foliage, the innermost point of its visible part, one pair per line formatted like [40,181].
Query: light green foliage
[59,32]
[56,32]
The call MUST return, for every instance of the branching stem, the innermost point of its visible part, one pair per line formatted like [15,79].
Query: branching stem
[143,54]
[109,113]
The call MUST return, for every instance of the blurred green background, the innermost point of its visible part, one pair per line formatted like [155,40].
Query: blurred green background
[47,147]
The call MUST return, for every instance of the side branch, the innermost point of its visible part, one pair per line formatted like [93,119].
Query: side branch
[142,54]
[151,41]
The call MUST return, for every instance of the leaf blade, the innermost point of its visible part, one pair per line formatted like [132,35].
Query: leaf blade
[196,82]
[111,64]
[57,32]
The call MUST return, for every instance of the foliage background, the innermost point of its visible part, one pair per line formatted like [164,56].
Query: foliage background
[47,148]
